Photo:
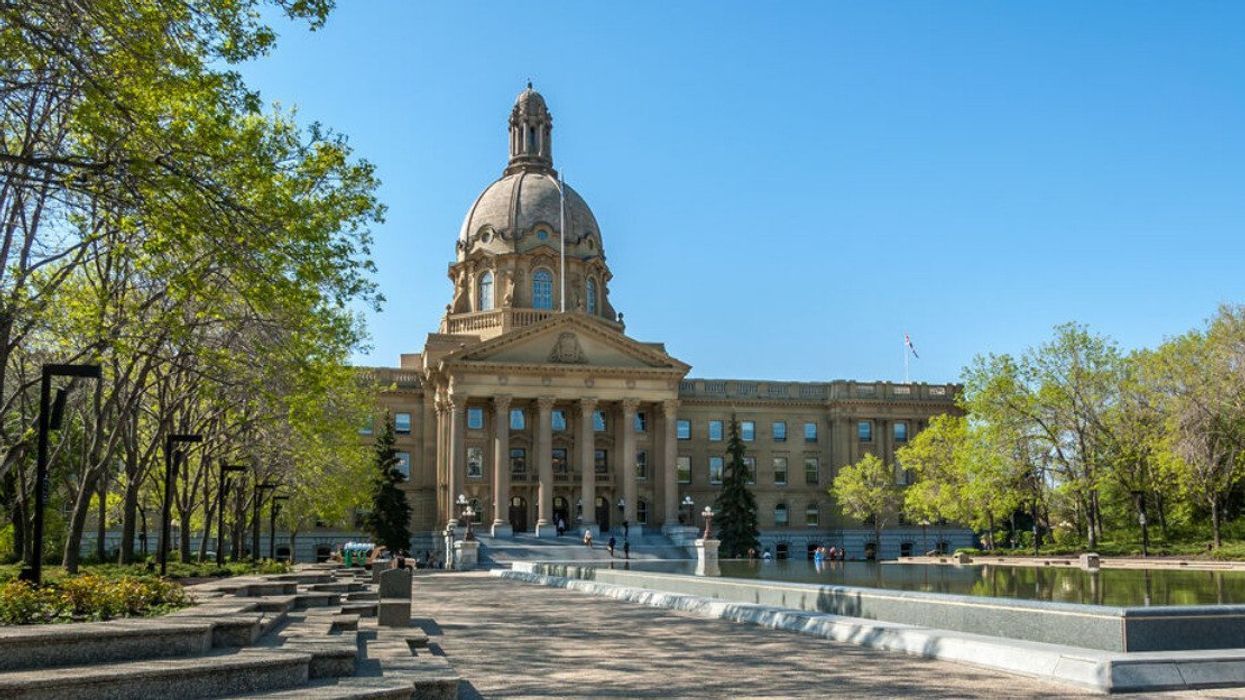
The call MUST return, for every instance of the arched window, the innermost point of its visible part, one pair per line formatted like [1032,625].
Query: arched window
[542,289]
[780,515]
[592,296]
[812,515]
[486,291]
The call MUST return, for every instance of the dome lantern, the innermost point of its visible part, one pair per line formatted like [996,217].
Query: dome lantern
[531,135]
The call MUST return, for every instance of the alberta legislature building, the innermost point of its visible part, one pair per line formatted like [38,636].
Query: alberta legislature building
[532,402]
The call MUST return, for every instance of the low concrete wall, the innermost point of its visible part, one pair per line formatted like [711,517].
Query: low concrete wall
[1088,626]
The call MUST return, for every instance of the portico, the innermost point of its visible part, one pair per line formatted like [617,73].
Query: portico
[568,410]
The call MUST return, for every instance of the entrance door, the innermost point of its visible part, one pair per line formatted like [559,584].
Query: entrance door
[518,514]
[562,511]
[603,514]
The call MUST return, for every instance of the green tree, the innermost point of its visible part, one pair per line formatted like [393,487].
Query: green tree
[390,519]
[866,490]
[736,506]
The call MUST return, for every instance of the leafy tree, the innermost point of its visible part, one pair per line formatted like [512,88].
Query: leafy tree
[736,506]
[866,490]
[389,521]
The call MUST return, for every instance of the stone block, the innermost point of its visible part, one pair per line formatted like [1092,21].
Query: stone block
[1090,561]
[395,583]
[395,612]
[466,554]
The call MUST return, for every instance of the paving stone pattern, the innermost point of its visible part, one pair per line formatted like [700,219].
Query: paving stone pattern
[513,640]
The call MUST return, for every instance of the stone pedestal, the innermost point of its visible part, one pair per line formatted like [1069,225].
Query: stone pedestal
[394,608]
[502,529]
[466,554]
[707,557]
[961,558]
[1090,561]
[545,528]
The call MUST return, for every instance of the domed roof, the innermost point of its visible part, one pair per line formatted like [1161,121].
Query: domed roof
[530,102]
[512,214]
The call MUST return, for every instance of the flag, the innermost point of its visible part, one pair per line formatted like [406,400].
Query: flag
[908,342]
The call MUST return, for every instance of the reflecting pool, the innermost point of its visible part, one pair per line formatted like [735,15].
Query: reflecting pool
[1114,587]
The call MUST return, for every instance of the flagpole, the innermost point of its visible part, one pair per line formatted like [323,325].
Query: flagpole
[562,239]
[904,346]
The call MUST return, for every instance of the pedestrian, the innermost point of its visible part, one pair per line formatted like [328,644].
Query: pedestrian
[626,529]
[588,538]
[626,549]
[611,546]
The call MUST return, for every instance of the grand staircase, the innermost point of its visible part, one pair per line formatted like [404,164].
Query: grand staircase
[502,551]
[311,634]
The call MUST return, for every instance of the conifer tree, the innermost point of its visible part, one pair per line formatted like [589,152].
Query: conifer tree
[389,521]
[736,507]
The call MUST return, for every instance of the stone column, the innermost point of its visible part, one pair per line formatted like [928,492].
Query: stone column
[457,451]
[627,462]
[544,466]
[667,465]
[443,481]
[587,463]
[501,467]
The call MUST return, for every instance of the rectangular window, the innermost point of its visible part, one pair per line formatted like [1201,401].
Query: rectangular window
[518,420]
[559,420]
[598,421]
[475,462]
[810,432]
[715,431]
[780,431]
[683,429]
[601,460]
[641,464]
[715,470]
[560,466]
[641,422]
[518,462]
[402,423]
[683,468]
[780,471]
[475,418]
[812,515]
[751,464]
[812,470]
[780,515]
[864,431]
[901,432]
[404,465]
[747,430]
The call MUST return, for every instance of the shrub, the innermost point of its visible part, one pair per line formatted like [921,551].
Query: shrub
[88,597]
[23,604]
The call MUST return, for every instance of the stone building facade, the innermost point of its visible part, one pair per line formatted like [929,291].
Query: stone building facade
[532,402]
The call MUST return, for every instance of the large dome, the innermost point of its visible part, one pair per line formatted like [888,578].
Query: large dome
[521,211]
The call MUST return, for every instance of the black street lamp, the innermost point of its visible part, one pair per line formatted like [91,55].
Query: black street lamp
[170,475]
[1141,520]
[689,505]
[259,499]
[708,515]
[34,573]
[272,525]
[223,488]
[468,513]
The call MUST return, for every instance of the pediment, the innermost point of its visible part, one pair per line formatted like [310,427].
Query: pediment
[568,341]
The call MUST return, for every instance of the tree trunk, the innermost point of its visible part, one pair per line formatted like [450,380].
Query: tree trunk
[990,532]
[183,515]
[101,527]
[77,523]
[129,518]
[19,532]
[1214,522]
[1160,504]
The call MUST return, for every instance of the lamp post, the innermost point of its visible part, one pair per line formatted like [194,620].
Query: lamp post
[34,573]
[468,513]
[274,511]
[222,489]
[259,500]
[1140,497]
[687,503]
[707,513]
[170,476]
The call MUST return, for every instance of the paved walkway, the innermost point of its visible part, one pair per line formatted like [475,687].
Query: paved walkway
[513,640]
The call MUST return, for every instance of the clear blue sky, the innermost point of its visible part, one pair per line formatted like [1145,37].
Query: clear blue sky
[785,189]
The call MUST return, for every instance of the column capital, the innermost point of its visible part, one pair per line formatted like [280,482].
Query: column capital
[501,402]
[587,405]
[670,407]
[629,406]
[545,404]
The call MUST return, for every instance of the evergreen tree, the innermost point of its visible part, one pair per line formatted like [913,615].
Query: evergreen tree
[736,507]
[389,521]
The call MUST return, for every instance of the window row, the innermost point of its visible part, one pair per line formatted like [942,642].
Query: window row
[747,430]
[717,469]
[560,460]
[542,290]
[557,420]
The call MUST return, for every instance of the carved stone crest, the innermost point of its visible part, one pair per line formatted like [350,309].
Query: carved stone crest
[566,350]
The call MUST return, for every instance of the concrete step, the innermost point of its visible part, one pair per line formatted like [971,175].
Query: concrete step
[46,646]
[360,596]
[211,675]
[365,608]
[316,599]
[343,689]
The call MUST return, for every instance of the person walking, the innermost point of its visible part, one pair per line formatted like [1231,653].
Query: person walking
[626,529]
[611,546]
[626,549]
[588,538]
